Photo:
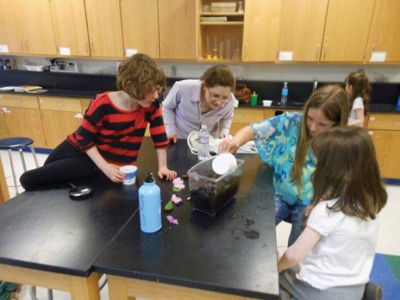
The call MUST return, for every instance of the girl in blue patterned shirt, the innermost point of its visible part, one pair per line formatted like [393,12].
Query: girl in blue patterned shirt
[283,142]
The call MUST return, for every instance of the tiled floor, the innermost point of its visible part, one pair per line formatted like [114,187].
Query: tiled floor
[386,242]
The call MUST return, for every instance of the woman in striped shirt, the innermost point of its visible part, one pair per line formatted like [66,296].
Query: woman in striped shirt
[112,130]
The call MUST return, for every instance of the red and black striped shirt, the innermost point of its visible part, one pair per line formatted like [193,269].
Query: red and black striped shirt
[117,133]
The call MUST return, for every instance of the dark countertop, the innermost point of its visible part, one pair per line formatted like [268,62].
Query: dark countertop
[234,252]
[46,230]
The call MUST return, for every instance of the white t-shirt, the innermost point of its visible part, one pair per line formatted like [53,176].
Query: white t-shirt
[358,103]
[345,252]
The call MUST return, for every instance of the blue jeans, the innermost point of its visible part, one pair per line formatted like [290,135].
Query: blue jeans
[293,214]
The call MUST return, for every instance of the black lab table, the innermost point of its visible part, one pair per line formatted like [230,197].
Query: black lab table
[230,256]
[48,240]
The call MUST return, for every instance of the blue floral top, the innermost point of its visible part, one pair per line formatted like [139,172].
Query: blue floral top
[276,141]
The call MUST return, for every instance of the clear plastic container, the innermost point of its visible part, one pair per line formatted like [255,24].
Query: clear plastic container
[209,191]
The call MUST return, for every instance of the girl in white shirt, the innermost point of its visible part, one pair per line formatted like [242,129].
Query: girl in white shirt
[332,258]
[359,90]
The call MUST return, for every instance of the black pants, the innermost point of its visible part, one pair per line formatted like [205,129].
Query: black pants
[64,163]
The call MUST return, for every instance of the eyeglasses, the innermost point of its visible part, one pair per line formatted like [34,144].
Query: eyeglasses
[218,97]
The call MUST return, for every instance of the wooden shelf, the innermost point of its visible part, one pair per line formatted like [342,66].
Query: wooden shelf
[227,23]
[202,14]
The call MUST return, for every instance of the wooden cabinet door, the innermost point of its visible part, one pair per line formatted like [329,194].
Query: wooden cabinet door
[60,117]
[346,30]
[140,26]
[69,22]
[385,31]
[387,145]
[37,27]
[245,116]
[104,25]
[262,23]
[3,125]
[10,28]
[303,24]
[177,26]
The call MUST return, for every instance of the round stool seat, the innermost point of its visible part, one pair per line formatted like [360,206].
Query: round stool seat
[15,142]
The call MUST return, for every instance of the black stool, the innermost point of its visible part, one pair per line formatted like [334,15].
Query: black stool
[17,143]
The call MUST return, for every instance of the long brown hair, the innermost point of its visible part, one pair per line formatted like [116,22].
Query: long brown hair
[347,169]
[139,75]
[360,88]
[332,100]
[219,75]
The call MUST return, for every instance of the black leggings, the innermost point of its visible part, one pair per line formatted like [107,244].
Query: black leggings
[64,163]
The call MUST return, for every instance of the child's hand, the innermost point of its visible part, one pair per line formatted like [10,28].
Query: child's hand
[169,174]
[228,145]
[113,172]
[172,138]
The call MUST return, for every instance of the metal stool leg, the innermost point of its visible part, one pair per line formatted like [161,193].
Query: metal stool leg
[21,154]
[34,156]
[13,171]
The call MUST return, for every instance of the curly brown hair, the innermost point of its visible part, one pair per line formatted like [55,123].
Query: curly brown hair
[139,75]
[219,75]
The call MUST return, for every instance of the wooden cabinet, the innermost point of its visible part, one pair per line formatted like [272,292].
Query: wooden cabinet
[177,27]
[385,34]
[70,29]
[22,117]
[27,27]
[104,25]
[245,116]
[140,26]
[262,23]
[60,117]
[385,133]
[346,30]
[303,23]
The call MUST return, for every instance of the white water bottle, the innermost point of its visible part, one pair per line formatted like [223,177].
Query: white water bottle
[203,152]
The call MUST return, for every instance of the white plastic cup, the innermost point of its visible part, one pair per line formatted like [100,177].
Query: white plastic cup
[267,103]
[130,174]
[224,163]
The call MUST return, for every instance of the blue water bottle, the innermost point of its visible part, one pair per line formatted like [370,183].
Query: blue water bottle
[150,205]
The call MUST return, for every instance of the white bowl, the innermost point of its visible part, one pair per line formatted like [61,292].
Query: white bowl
[267,103]
[224,163]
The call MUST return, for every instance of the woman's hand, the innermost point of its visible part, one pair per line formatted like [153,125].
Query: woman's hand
[169,174]
[113,172]
[172,138]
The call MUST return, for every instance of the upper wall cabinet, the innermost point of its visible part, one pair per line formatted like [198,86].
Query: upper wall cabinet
[346,30]
[140,27]
[26,27]
[384,41]
[262,21]
[303,23]
[70,29]
[177,26]
[104,24]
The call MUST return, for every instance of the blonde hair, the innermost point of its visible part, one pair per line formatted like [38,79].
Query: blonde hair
[332,100]
[139,75]
[347,169]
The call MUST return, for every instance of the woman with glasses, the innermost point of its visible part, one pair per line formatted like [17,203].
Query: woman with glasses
[112,130]
[193,102]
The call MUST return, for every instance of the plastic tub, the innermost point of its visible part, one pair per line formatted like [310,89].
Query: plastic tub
[209,191]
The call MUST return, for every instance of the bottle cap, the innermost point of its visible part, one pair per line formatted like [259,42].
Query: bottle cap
[149,178]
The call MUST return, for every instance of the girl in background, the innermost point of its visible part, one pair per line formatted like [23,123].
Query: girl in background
[283,142]
[193,102]
[359,90]
[335,252]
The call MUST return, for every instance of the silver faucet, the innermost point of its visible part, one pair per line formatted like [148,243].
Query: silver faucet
[315,84]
